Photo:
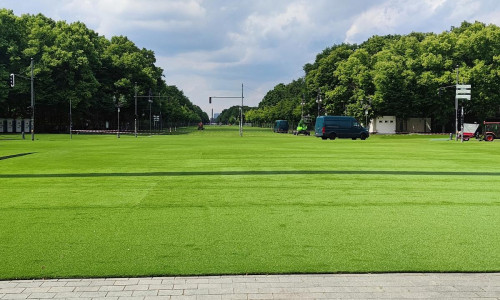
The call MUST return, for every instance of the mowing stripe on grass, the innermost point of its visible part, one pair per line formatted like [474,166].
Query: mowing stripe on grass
[252,173]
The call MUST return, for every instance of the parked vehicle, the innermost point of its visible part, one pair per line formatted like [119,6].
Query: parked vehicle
[333,127]
[491,131]
[281,126]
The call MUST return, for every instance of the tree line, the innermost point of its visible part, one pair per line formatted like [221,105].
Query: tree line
[405,76]
[74,64]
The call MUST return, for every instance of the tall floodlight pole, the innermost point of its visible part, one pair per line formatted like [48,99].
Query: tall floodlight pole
[319,100]
[32,104]
[160,127]
[302,103]
[456,112]
[135,118]
[150,102]
[241,112]
[70,121]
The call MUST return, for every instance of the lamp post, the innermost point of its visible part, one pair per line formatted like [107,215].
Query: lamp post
[319,100]
[135,120]
[302,103]
[456,112]
[150,102]
[367,104]
[118,105]
[70,121]
[32,103]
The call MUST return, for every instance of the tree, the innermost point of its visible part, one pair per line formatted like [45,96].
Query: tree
[75,64]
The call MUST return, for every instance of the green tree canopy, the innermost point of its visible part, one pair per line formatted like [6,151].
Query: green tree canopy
[75,64]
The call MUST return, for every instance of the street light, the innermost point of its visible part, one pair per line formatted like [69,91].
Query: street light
[135,120]
[150,102]
[456,112]
[366,106]
[302,103]
[70,121]
[319,100]
[118,105]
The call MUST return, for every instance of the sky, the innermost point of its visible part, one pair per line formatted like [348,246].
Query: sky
[211,47]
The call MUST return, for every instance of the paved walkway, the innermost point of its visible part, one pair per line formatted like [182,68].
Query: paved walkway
[346,286]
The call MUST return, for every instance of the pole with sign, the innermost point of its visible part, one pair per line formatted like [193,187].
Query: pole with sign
[463,92]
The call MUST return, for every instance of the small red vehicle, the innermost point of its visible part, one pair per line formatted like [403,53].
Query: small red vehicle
[491,131]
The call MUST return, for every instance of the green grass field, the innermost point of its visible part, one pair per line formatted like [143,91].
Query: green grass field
[212,202]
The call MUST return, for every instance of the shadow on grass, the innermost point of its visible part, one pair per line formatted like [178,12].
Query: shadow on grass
[15,155]
[249,173]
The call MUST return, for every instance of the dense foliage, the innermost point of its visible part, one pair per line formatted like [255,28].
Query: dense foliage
[397,75]
[74,63]
[232,115]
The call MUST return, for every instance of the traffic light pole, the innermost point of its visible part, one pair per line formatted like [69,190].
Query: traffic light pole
[241,108]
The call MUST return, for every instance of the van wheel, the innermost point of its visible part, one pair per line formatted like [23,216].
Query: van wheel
[489,138]
[333,136]
[363,137]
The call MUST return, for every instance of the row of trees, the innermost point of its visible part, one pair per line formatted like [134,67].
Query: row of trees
[396,75]
[75,64]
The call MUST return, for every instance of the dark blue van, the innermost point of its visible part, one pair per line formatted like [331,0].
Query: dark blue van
[332,127]
[281,126]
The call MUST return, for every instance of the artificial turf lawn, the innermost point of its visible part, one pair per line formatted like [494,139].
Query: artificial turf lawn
[212,202]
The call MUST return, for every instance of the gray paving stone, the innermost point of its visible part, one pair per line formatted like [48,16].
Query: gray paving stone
[93,294]
[183,297]
[111,288]
[51,283]
[161,286]
[209,285]
[41,295]
[144,293]
[149,281]
[142,287]
[8,284]
[170,292]
[195,292]
[220,291]
[126,282]
[208,297]
[120,294]
[260,296]
[185,286]
[87,288]
[234,297]
[28,284]
[67,295]
[12,290]
[15,296]
[78,283]
[61,289]
[97,282]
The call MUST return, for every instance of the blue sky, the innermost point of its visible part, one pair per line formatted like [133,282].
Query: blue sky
[210,47]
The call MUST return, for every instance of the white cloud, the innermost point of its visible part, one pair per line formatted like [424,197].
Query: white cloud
[390,16]
[110,17]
